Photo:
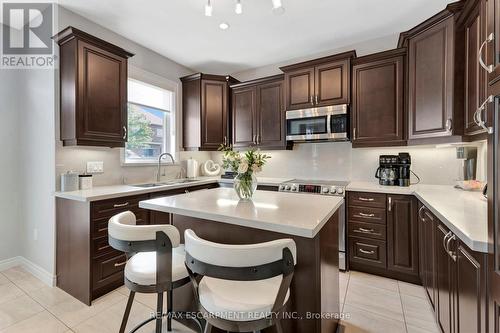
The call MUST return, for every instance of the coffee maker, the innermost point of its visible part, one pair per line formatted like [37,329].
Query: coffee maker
[394,170]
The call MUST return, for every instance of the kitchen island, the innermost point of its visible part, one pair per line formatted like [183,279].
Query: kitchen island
[312,221]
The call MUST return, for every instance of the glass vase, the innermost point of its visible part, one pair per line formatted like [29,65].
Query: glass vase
[245,185]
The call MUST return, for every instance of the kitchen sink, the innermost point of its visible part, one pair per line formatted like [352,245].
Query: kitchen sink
[170,182]
[148,185]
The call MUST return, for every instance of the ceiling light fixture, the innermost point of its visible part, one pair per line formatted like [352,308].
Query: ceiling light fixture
[278,7]
[239,8]
[224,26]
[208,9]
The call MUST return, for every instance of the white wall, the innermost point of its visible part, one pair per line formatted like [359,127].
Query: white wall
[36,109]
[10,245]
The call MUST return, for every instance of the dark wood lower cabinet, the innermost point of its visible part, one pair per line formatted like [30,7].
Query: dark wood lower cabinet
[402,234]
[383,235]
[454,276]
[445,266]
[86,266]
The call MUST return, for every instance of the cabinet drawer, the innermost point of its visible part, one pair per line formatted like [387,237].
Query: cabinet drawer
[368,251]
[108,270]
[368,230]
[365,199]
[367,214]
[100,226]
[100,246]
[108,208]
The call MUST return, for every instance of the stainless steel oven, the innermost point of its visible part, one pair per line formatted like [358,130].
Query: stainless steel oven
[329,123]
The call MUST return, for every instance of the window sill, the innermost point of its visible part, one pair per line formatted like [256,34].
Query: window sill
[148,163]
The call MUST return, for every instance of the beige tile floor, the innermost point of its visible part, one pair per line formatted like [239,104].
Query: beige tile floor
[371,304]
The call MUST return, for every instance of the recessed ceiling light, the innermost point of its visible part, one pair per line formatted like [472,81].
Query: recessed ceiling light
[239,8]
[208,9]
[224,26]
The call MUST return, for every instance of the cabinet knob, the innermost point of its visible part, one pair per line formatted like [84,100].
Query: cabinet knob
[449,125]
[316,100]
[311,100]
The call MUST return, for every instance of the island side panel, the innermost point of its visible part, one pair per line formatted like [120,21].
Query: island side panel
[330,290]
[314,287]
[73,269]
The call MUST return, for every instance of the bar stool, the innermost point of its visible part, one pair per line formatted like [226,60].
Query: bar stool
[155,263]
[243,287]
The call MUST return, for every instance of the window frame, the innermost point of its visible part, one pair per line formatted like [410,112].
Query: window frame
[170,130]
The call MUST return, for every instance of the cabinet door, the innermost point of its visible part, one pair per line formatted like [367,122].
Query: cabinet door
[445,274]
[102,97]
[475,76]
[471,301]
[378,103]
[429,257]
[214,114]
[430,84]
[244,117]
[299,89]
[402,247]
[493,48]
[331,83]
[271,115]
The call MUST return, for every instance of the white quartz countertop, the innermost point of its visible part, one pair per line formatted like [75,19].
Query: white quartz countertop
[116,191]
[463,212]
[262,180]
[289,213]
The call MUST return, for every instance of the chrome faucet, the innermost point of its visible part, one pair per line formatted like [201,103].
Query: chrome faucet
[159,164]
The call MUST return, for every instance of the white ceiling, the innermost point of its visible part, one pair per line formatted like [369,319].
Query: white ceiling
[179,30]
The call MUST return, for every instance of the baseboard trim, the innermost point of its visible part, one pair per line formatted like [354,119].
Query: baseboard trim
[37,271]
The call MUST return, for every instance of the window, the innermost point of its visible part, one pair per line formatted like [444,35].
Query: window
[150,122]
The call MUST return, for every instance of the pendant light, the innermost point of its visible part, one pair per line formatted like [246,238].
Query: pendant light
[239,8]
[208,8]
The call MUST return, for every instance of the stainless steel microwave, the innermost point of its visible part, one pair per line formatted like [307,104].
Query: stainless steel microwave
[328,123]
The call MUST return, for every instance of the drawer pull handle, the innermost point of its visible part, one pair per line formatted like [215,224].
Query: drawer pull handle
[120,205]
[118,264]
[420,211]
[366,231]
[102,229]
[366,199]
[367,215]
[366,252]
[102,248]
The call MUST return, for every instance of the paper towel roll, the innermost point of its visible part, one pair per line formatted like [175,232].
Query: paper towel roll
[192,168]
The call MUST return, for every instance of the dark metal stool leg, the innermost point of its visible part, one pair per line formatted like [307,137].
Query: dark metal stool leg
[127,311]
[159,312]
[208,328]
[170,302]
[279,329]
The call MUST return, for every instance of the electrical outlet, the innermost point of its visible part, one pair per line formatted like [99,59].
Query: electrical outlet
[35,234]
[95,167]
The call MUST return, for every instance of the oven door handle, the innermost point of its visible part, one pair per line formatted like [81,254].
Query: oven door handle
[329,124]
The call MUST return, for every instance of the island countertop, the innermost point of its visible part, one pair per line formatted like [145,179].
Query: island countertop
[289,213]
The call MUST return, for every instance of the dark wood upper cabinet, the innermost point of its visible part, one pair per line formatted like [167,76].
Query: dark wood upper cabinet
[378,100]
[319,82]
[492,52]
[205,110]
[258,115]
[93,93]
[435,76]
[402,234]
[244,116]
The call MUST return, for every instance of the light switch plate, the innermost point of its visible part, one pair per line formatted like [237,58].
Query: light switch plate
[95,167]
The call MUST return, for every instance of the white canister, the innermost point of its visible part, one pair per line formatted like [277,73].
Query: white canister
[85,182]
[192,168]
[69,181]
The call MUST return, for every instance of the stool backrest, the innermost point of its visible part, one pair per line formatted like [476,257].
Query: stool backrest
[239,262]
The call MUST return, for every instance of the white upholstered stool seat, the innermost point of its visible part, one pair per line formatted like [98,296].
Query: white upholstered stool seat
[239,300]
[141,268]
